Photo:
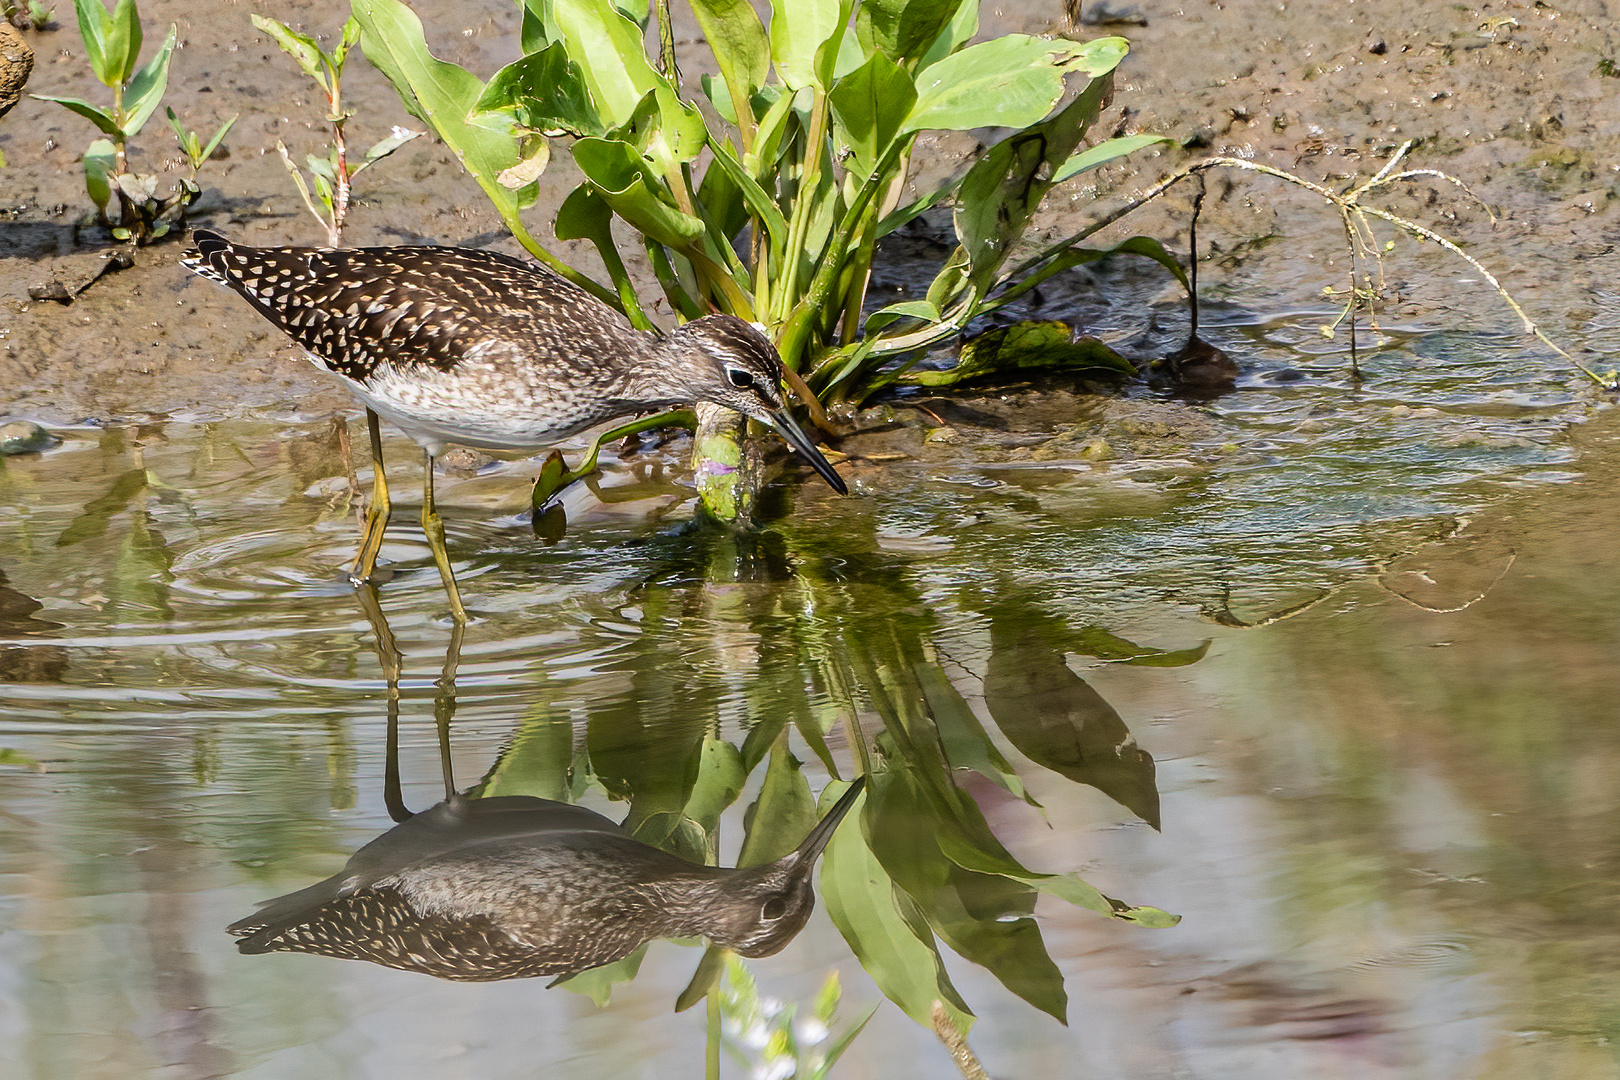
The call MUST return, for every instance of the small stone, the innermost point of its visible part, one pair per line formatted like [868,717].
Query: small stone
[940,434]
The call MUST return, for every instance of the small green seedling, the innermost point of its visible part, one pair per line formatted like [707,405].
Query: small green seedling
[332,176]
[191,143]
[112,43]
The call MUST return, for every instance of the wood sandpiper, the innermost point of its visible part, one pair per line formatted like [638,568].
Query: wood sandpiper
[457,345]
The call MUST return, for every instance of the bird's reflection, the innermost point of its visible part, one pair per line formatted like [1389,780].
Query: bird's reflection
[515,886]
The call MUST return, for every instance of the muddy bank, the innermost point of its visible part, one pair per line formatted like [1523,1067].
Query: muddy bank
[1508,97]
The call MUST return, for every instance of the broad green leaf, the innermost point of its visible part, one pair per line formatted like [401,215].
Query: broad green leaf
[784,813]
[704,979]
[123,41]
[904,29]
[584,215]
[94,26]
[1001,191]
[883,927]
[805,39]
[1012,81]
[908,309]
[383,147]
[301,47]
[100,159]
[537,762]
[741,50]
[1104,152]
[668,132]
[622,179]
[957,33]
[99,512]
[93,113]
[608,47]
[1071,888]
[441,94]
[146,89]
[758,200]
[869,105]
[1058,721]
[544,91]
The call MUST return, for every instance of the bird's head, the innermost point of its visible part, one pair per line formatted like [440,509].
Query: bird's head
[765,906]
[742,370]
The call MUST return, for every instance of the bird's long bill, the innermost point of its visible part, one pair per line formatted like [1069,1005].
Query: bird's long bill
[796,438]
[824,829]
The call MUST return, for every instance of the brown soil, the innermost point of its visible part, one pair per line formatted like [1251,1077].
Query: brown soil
[1507,96]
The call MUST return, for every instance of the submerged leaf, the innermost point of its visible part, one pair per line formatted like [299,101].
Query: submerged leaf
[1023,347]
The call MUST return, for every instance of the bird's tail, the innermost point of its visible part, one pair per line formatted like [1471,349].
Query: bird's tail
[207,259]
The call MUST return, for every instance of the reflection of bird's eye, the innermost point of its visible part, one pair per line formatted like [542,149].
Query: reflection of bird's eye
[774,908]
[739,378]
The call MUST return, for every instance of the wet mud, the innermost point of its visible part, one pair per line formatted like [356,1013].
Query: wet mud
[1511,98]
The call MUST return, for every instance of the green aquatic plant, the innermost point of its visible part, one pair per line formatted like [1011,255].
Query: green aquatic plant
[331,176]
[765,195]
[112,44]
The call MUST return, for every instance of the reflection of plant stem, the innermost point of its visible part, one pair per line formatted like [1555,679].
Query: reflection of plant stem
[712,1049]
[956,1043]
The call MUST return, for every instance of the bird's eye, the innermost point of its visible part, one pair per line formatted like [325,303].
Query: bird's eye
[774,909]
[739,378]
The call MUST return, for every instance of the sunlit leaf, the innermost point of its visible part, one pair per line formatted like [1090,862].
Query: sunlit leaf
[441,94]
[1011,81]
[1002,189]
[544,91]
[1107,150]
[757,199]
[608,48]
[870,104]
[301,47]
[147,86]
[93,113]
[904,29]
[738,40]
[622,179]
[805,39]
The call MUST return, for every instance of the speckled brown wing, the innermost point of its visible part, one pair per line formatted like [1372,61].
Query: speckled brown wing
[380,926]
[357,308]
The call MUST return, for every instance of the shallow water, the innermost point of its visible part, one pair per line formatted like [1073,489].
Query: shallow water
[1388,790]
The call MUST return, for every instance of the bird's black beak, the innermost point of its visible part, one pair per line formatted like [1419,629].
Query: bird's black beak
[796,438]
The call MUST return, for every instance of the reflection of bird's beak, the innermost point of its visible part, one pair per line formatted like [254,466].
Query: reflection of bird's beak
[807,851]
[796,438]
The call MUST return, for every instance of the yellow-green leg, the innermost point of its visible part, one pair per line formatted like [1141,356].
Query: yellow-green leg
[377,511]
[434,528]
